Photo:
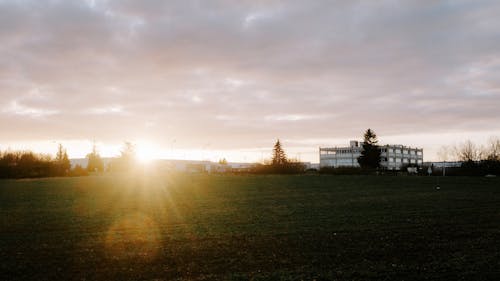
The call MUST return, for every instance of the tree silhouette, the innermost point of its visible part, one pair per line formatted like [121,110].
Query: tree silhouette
[128,152]
[95,163]
[370,155]
[27,164]
[279,156]
[493,150]
[127,159]
[468,152]
[63,164]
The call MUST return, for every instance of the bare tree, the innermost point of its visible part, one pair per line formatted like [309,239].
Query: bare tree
[492,150]
[468,152]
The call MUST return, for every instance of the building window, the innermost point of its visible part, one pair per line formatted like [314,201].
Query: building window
[391,159]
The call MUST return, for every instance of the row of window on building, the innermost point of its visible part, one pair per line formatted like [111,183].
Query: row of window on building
[404,151]
[383,150]
[403,160]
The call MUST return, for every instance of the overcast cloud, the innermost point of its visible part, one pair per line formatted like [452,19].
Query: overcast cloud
[239,74]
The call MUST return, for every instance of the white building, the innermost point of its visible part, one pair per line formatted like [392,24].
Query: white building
[393,157]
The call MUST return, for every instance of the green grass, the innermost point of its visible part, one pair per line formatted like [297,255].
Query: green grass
[250,228]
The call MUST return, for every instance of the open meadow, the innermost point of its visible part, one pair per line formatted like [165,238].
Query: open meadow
[202,227]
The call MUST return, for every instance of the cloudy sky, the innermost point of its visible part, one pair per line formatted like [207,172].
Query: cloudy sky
[213,79]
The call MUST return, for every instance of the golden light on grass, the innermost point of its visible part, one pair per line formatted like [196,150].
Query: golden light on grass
[135,236]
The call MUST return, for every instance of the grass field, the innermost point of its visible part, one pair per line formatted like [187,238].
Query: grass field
[250,227]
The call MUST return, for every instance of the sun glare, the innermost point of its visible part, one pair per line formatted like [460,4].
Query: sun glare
[146,153]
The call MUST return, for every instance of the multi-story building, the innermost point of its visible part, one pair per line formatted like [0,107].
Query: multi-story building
[393,157]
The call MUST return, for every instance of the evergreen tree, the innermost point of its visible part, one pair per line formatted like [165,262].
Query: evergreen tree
[279,156]
[370,155]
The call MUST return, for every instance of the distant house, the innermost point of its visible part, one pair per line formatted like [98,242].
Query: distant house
[393,157]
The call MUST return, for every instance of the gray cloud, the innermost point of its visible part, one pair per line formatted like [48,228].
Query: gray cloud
[241,74]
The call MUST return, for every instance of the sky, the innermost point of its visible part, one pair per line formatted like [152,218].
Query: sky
[225,79]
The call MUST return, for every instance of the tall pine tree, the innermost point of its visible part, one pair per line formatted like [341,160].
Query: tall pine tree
[279,156]
[370,155]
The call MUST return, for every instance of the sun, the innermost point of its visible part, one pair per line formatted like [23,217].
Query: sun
[146,153]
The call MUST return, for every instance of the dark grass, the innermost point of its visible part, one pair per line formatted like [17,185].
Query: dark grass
[250,227]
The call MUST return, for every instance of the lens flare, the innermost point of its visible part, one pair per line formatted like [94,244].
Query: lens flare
[134,236]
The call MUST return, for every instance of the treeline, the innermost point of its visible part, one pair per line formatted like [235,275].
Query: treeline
[468,151]
[476,160]
[26,164]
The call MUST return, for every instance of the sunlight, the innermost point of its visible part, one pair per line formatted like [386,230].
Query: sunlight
[146,152]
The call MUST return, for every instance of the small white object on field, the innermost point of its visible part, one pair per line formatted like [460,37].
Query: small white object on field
[438,188]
